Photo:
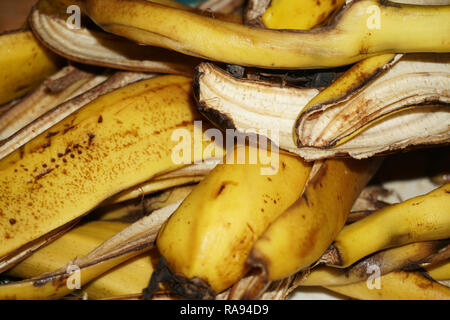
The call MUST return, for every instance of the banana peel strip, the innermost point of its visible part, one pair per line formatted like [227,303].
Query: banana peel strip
[346,40]
[25,251]
[398,285]
[249,105]
[59,87]
[411,112]
[128,243]
[131,211]
[99,48]
[187,175]
[222,6]
[96,87]
[255,9]
[76,138]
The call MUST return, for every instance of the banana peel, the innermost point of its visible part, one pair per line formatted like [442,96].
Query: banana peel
[386,261]
[20,48]
[95,47]
[422,218]
[299,236]
[352,36]
[75,159]
[59,87]
[380,105]
[399,285]
[126,278]
[207,252]
[99,85]
[124,243]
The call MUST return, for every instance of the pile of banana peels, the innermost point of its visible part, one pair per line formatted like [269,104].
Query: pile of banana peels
[123,124]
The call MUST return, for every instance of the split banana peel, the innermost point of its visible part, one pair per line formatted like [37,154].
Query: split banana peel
[382,104]
[17,49]
[353,35]
[115,142]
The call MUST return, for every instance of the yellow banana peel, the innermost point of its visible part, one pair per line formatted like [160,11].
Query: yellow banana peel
[24,63]
[300,15]
[361,29]
[208,238]
[299,236]
[421,218]
[117,141]
[399,285]
[386,261]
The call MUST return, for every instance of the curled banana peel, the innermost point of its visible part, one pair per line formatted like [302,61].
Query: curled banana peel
[18,49]
[99,85]
[398,285]
[386,261]
[49,23]
[380,105]
[206,242]
[422,218]
[243,105]
[306,229]
[344,114]
[299,15]
[117,141]
[349,38]
[59,87]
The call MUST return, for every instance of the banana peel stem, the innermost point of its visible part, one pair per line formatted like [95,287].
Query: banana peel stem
[177,284]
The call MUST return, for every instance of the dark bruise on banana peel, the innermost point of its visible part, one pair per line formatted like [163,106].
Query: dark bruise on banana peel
[221,120]
[177,284]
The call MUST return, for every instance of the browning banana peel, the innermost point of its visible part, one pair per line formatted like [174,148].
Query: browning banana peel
[115,142]
[299,236]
